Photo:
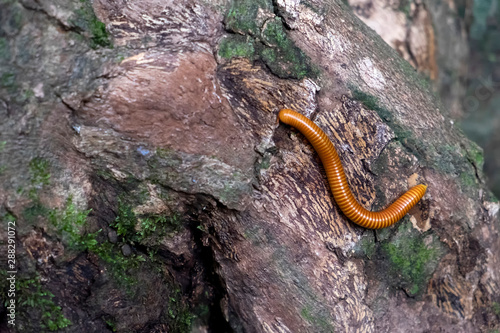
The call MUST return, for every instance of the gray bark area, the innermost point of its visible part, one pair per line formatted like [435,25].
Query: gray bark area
[209,216]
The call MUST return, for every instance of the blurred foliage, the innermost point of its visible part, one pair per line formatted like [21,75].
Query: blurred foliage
[485,29]
[482,100]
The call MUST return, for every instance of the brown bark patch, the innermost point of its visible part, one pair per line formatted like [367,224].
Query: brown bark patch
[172,100]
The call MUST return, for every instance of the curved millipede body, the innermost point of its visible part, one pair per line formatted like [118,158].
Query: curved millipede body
[338,181]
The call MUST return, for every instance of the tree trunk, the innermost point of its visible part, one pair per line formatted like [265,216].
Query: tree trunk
[153,191]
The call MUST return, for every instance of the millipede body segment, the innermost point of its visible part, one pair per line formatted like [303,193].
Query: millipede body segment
[338,181]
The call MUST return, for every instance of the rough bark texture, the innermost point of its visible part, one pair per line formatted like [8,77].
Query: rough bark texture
[208,215]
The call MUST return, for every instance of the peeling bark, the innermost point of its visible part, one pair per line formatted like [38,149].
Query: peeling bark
[206,215]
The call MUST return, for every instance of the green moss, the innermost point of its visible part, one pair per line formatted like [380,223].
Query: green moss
[419,79]
[496,308]
[412,261]
[163,153]
[179,317]
[12,17]
[414,290]
[236,46]
[36,300]
[368,246]
[99,35]
[69,224]
[39,171]
[8,217]
[28,93]
[491,197]
[467,179]
[105,174]
[34,295]
[475,154]
[111,324]
[4,49]
[265,163]
[318,321]
[39,177]
[264,38]
[416,146]
[85,20]
[8,80]
[405,7]
[371,102]
[242,16]
[119,58]
[147,229]
[166,157]
[35,210]
[284,58]
[269,55]
[275,34]
[120,268]
[158,226]
[125,220]
[385,234]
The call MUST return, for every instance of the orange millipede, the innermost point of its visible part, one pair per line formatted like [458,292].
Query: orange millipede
[338,181]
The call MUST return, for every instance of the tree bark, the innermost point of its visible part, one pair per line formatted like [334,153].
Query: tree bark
[153,191]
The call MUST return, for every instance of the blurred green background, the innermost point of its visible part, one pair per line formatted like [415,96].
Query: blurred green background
[481,103]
